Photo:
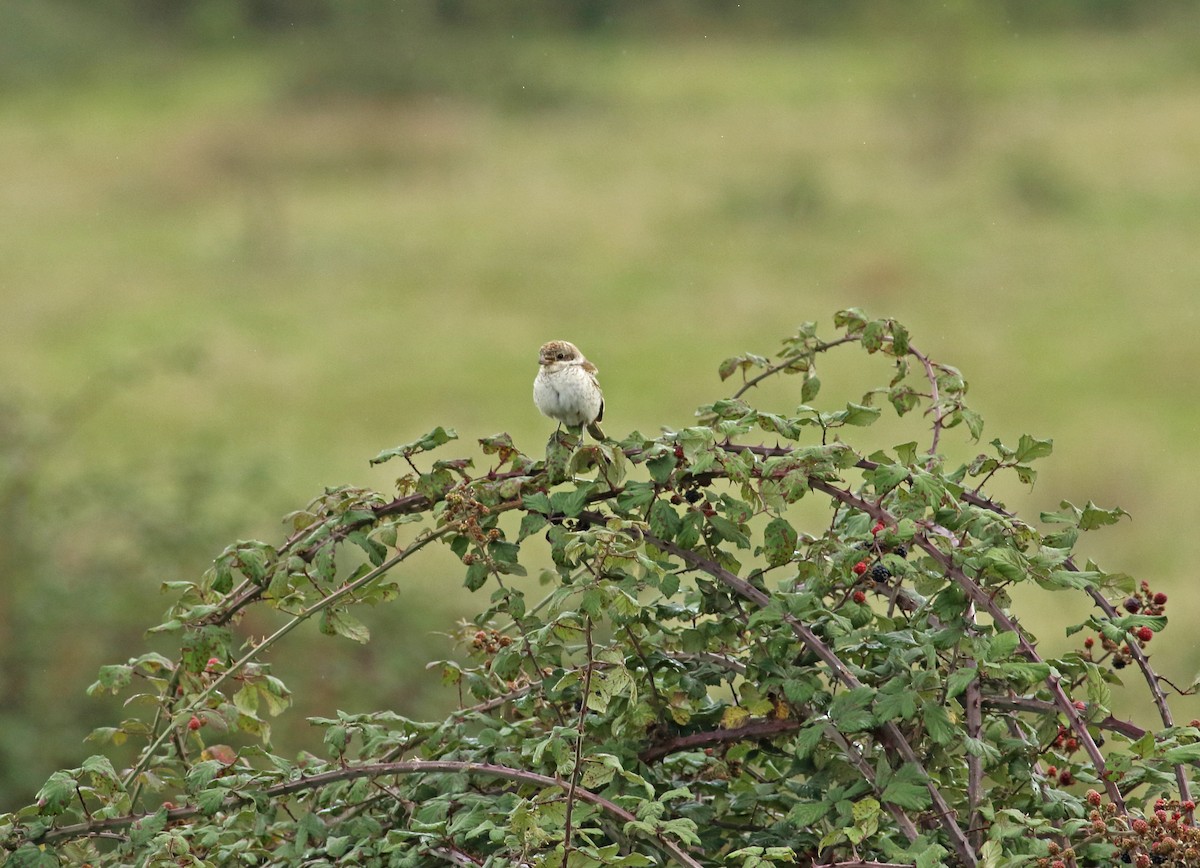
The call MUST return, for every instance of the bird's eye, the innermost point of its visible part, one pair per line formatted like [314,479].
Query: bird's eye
[560,355]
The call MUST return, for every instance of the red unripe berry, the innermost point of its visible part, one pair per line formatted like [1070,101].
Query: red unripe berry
[1189,805]
[1140,826]
[1160,598]
[860,597]
[1066,778]
[879,526]
[1145,634]
[860,568]
[1080,705]
[195,723]
[1159,804]
[1058,863]
[1072,744]
[1142,861]
[1093,798]
[1161,815]
[1051,771]
[1089,642]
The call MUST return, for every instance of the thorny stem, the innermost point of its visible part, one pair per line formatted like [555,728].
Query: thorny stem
[578,767]
[787,361]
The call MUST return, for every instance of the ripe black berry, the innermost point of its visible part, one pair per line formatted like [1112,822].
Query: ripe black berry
[901,551]
[1118,663]
[691,495]
[880,573]
[1132,605]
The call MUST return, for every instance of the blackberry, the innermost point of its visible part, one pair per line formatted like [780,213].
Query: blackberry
[691,495]
[1118,663]
[880,573]
[901,551]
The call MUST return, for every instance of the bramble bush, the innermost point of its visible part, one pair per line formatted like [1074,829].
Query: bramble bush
[702,678]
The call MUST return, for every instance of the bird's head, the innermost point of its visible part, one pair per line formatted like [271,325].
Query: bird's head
[558,351]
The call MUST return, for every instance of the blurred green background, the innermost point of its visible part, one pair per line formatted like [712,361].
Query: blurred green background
[244,246]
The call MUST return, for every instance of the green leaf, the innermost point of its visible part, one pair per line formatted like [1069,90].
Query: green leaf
[858,415]
[1188,753]
[897,701]
[937,722]
[959,680]
[907,789]
[56,793]
[339,622]
[661,467]
[571,503]
[664,520]
[211,800]
[1094,516]
[779,542]
[531,523]
[850,712]
[1031,448]
[1002,646]
[887,476]
[435,438]
[202,774]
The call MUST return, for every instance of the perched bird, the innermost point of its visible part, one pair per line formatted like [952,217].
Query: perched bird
[565,388]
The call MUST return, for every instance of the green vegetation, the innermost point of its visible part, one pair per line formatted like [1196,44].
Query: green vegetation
[347,266]
[703,674]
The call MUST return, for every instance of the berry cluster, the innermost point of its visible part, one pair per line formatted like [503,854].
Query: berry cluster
[877,571]
[1141,602]
[490,641]
[1165,837]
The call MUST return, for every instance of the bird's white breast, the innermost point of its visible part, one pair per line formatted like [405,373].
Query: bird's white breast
[567,393]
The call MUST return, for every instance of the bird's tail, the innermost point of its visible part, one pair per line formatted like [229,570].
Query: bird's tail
[593,428]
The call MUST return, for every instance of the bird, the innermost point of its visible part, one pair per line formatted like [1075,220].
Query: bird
[566,388]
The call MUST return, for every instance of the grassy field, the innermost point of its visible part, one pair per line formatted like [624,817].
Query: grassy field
[347,272]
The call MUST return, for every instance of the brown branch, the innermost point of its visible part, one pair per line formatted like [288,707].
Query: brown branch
[772,370]
[751,731]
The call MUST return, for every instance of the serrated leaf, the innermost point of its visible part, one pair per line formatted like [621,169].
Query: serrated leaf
[339,622]
[664,520]
[435,438]
[937,722]
[959,680]
[56,793]
[779,542]
[1002,646]
[906,788]
[850,711]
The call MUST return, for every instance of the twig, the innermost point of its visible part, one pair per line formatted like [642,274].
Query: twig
[578,768]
